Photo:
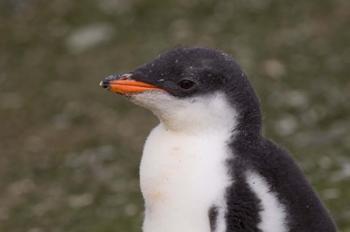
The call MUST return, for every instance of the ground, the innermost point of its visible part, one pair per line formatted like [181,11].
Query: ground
[69,151]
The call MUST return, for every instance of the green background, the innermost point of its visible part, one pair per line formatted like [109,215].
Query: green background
[69,151]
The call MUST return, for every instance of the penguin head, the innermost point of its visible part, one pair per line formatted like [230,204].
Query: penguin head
[191,87]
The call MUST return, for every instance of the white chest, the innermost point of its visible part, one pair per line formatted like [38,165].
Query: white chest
[182,176]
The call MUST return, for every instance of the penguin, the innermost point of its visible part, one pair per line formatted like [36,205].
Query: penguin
[207,167]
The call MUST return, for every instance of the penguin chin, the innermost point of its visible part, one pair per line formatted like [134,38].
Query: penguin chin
[167,108]
[156,101]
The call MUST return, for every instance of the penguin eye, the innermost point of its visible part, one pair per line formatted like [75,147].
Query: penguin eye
[186,84]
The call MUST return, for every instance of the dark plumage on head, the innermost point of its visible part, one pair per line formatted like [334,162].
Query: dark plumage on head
[188,72]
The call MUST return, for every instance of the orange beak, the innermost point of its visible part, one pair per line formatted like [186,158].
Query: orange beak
[128,86]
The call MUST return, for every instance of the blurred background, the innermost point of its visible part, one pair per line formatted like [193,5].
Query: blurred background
[69,150]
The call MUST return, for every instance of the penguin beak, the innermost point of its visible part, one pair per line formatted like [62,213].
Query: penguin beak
[124,84]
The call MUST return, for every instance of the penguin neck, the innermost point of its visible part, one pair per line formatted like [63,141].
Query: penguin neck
[249,125]
[205,114]
[246,103]
[191,124]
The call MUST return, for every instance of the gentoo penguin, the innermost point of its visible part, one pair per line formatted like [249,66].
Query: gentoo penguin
[207,167]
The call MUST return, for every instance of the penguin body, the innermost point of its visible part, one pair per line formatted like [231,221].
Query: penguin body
[206,167]
[179,170]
